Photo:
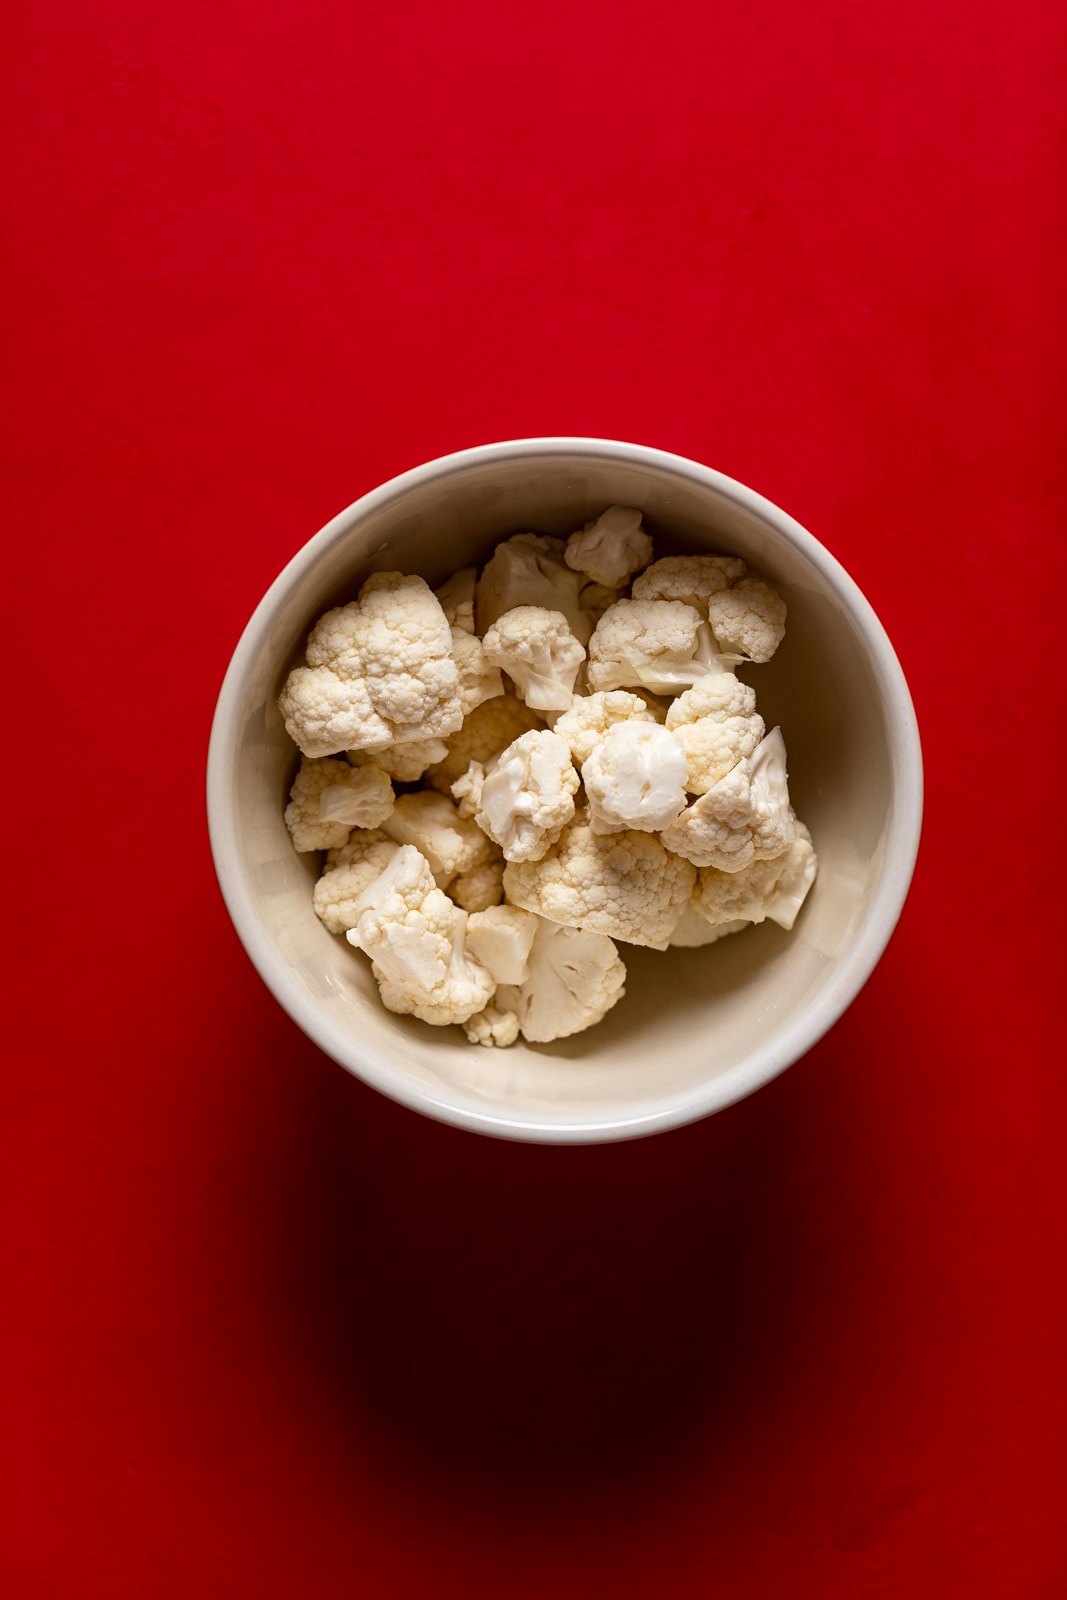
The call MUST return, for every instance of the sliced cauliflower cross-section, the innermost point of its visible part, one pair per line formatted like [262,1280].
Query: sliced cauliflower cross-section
[415,938]
[538,651]
[745,817]
[527,797]
[329,798]
[379,671]
[635,778]
[610,549]
[626,885]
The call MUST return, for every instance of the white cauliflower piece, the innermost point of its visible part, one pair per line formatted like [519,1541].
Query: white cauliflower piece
[589,717]
[635,778]
[479,680]
[610,549]
[748,620]
[486,730]
[662,645]
[500,938]
[692,579]
[575,978]
[538,651]
[415,938]
[456,598]
[481,887]
[450,843]
[328,798]
[626,885]
[404,762]
[467,790]
[492,1027]
[347,873]
[527,796]
[529,570]
[745,817]
[717,724]
[775,888]
[379,672]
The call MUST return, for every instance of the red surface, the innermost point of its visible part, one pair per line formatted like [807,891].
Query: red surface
[266,1333]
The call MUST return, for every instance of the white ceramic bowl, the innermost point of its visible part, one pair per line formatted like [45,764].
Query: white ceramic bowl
[697,1029]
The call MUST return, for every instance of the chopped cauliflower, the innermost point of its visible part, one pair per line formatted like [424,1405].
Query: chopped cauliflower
[662,645]
[635,778]
[716,723]
[500,938]
[328,798]
[406,763]
[748,620]
[481,887]
[492,1027]
[529,570]
[347,873]
[774,888]
[415,938]
[456,599]
[479,679]
[450,843]
[538,651]
[527,796]
[610,549]
[589,717]
[626,885]
[487,730]
[378,671]
[745,817]
[692,579]
[575,978]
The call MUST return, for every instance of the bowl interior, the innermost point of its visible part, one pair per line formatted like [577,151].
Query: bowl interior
[697,1028]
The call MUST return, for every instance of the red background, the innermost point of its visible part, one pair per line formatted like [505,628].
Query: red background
[265,1332]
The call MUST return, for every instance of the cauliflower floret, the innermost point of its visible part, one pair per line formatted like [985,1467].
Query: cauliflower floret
[692,579]
[527,796]
[379,671]
[450,843]
[328,798]
[595,600]
[611,549]
[748,620]
[404,762]
[538,651]
[662,645]
[479,680]
[745,817]
[347,873]
[635,778]
[529,570]
[500,938]
[575,978]
[481,887]
[492,1027]
[775,888]
[415,938]
[487,730]
[467,790]
[590,716]
[716,723]
[456,598]
[626,885]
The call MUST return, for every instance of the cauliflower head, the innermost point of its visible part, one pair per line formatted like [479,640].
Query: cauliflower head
[625,885]
[329,798]
[538,651]
[745,817]
[379,671]
[716,723]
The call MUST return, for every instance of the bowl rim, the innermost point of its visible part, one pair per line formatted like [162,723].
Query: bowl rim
[902,835]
